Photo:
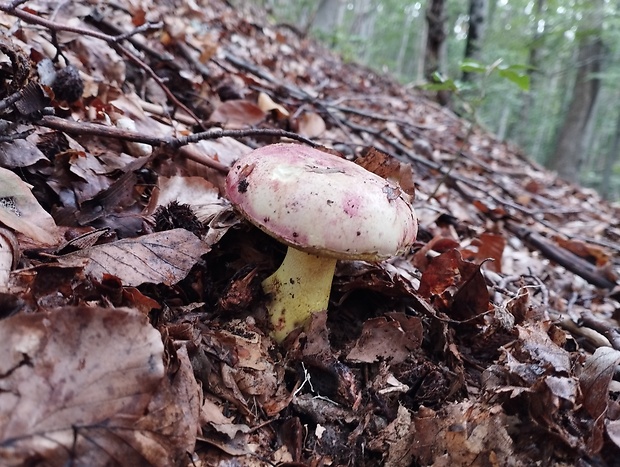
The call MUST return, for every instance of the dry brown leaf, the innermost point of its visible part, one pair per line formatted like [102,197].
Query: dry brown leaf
[237,114]
[311,125]
[267,104]
[20,210]
[395,440]
[535,346]
[173,416]
[386,166]
[592,253]
[465,433]
[390,340]
[455,285]
[487,246]
[20,153]
[75,383]
[162,257]
[597,373]
[9,255]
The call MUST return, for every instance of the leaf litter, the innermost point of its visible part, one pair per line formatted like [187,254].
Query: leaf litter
[134,324]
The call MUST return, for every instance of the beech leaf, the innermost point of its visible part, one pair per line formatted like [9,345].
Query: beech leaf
[75,382]
[20,210]
[161,257]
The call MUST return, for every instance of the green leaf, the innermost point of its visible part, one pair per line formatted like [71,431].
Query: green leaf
[520,79]
[447,85]
[471,66]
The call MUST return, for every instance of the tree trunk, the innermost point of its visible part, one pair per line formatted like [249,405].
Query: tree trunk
[475,33]
[328,18]
[434,54]
[363,26]
[404,42]
[435,37]
[571,142]
[522,125]
[610,158]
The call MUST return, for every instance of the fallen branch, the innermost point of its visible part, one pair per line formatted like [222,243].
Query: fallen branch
[103,131]
[563,257]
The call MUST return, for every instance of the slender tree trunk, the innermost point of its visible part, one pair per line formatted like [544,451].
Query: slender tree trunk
[416,68]
[610,158]
[435,37]
[404,42]
[363,26]
[503,123]
[475,34]
[520,133]
[572,140]
[328,18]
[434,54]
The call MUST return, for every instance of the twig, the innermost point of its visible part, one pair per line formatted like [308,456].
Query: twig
[94,129]
[105,26]
[132,57]
[609,331]
[219,133]
[114,42]
[11,9]
[191,58]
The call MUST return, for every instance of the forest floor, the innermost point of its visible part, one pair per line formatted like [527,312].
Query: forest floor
[134,329]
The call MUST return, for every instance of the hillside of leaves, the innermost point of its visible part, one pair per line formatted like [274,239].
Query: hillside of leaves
[134,327]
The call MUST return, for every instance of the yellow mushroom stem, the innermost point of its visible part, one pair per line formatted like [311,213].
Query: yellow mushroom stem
[299,287]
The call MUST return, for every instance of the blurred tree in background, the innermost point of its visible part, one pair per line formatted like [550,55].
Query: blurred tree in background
[568,118]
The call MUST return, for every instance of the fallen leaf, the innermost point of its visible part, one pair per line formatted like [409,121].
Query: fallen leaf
[237,114]
[159,258]
[267,104]
[589,252]
[311,125]
[395,440]
[457,286]
[465,433]
[20,210]
[9,256]
[389,340]
[594,380]
[386,166]
[75,381]
[487,246]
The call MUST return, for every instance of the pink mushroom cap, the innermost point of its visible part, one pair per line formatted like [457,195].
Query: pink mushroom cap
[322,204]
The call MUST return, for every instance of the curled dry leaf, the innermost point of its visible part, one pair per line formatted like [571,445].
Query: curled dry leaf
[267,104]
[455,285]
[162,257]
[386,166]
[20,210]
[594,381]
[487,246]
[9,255]
[395,440]
[77,384]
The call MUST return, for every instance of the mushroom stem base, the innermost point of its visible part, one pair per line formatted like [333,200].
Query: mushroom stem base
[299,287]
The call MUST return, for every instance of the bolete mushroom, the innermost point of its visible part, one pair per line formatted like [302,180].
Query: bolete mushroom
[324,208]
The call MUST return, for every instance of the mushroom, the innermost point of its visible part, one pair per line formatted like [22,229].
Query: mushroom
[324,208]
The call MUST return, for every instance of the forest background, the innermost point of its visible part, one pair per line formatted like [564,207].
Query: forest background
[542,74]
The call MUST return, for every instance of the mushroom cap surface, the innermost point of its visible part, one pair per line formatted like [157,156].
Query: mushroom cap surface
[322,204]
